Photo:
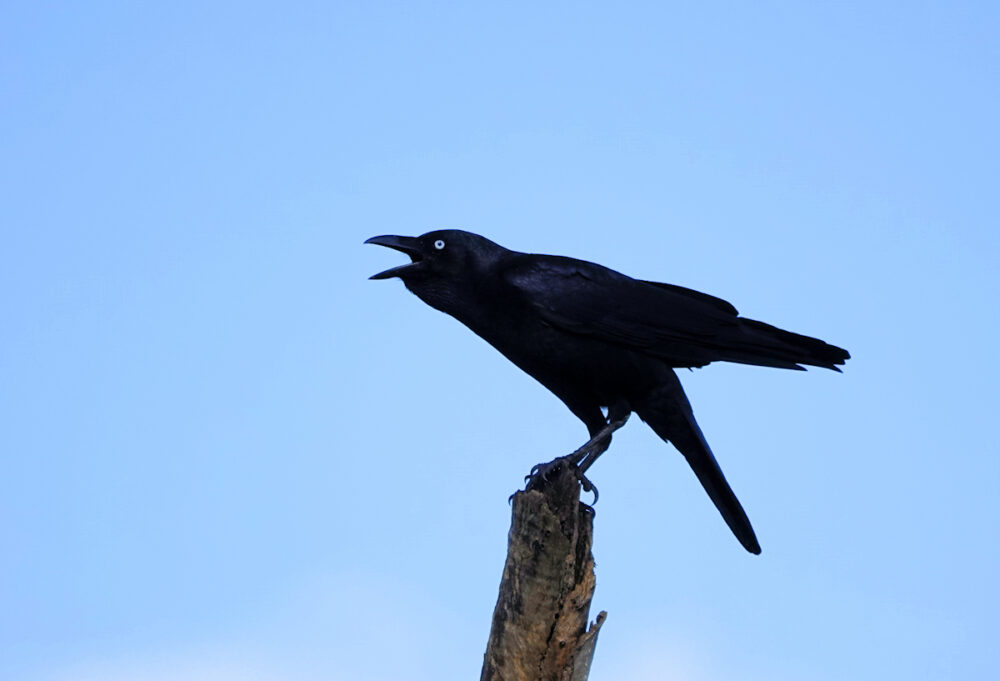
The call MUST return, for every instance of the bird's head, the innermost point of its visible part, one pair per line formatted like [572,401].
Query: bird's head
[445,265]
[446,254]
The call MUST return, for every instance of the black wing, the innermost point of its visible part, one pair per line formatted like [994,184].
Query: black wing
[683,327]
[676,324]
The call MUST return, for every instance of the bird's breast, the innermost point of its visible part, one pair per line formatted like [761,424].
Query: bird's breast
[567,363]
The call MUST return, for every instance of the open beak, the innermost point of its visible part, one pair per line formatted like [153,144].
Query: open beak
[404,244]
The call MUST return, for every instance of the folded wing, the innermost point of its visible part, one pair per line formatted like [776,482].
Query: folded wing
[683,327]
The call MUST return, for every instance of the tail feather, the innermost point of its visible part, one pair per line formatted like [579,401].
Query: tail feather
[669,414]
[761,344]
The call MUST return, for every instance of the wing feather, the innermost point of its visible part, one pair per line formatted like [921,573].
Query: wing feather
[668,321]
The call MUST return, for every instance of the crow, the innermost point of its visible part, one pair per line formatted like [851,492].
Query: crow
[599,339]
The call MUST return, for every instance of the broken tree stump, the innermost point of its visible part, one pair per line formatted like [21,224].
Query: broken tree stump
[540,623]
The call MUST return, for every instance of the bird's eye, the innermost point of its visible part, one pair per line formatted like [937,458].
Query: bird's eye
[439,244]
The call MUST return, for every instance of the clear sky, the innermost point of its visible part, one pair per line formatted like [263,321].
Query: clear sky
[225,454]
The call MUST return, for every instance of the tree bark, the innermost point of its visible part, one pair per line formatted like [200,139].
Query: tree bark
[540,630]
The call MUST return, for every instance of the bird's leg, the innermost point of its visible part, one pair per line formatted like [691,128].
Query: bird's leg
[584,457]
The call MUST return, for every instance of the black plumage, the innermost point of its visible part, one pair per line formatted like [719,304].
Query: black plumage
[598,338]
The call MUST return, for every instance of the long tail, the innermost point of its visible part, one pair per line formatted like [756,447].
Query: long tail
[669,414]
[753,342]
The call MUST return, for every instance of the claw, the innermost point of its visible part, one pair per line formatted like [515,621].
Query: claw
[540,474]
[586,484]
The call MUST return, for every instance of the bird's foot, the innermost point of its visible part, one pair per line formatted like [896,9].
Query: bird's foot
[540,474]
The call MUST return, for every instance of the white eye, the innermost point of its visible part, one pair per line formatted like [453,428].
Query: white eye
[439,244]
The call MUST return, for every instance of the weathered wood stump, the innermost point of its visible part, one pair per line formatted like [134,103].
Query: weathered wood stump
[540,623]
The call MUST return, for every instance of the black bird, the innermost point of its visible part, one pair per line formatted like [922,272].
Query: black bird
[597,338]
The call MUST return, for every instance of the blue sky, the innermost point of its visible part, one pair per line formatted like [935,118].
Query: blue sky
[226,454]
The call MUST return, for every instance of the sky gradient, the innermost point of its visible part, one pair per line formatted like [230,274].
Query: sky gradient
[228,455]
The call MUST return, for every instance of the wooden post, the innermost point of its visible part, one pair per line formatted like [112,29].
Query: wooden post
[540,630]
